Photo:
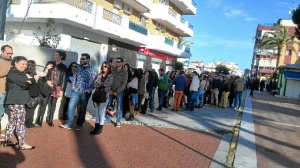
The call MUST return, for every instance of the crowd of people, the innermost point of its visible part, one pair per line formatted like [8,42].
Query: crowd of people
[128,91]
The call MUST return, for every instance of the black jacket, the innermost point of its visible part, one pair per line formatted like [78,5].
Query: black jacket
[17,87]
[61,73]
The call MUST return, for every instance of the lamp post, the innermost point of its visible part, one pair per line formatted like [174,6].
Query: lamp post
[3,8]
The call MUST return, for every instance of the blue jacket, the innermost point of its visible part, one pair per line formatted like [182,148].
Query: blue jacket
[180,83]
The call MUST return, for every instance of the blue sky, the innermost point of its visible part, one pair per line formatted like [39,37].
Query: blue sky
[224,29]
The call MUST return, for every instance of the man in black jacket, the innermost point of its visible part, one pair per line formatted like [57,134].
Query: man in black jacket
[215,87]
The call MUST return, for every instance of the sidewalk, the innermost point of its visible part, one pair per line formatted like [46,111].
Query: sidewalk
[193,143]
[270,133]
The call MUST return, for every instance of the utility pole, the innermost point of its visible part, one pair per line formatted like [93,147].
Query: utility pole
[3,9]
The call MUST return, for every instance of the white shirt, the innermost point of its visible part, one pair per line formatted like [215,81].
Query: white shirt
[195,84]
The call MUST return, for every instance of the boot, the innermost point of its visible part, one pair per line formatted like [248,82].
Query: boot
[50,121]
[38,122]
[96,129]
[99,131]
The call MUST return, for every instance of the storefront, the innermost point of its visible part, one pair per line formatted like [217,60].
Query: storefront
[158,60]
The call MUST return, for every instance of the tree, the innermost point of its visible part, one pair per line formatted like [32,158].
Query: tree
[296,20]
[182,41]
[179,66]
[279,38]
[47,38]
[222,69]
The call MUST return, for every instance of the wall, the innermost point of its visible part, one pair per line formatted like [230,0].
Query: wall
[41,56]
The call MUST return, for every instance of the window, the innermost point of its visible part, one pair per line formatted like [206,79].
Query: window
[142,21]
[288,52]
[162,1]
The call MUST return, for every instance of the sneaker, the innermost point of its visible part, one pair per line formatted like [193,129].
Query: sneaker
[118,124]
[78,128]
[236,108]
[65,126]
[240,109]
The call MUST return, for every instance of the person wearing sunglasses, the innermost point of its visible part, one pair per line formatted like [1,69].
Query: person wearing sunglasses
[120,76]
[103,81]
[82,87]
[5,57]
[70,73]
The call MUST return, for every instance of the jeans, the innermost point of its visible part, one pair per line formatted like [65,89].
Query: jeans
[134,98]
[161,97]
[100,112]
[119,107]
[151,104]
[201,96]
[83,99]
[2,97]
[192,100]
[238,97]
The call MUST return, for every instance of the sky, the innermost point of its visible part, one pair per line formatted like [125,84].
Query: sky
[224,29]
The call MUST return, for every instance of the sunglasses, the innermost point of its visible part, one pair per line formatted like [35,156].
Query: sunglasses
[104,66]
[82,59]
[118,61]
[75,66]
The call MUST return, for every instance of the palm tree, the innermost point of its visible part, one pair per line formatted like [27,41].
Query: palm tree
[182,41]
[279,38]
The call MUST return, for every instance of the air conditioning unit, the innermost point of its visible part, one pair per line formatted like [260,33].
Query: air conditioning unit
[158,26]
[164,29]
[118,4]
[127,9]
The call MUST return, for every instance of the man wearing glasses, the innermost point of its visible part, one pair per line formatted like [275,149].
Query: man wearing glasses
[120,76]
[82,87]
[5,57]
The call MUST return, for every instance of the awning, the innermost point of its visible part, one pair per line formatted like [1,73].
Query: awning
[292,75]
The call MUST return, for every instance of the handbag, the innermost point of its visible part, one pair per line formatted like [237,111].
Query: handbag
[99,96]
[110,111]
[34,101]
[56,92]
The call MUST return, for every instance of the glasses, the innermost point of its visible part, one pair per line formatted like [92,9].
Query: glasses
[118,62]
[9,53]
[82,59]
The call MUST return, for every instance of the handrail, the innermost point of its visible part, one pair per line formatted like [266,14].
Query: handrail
[172,12]
[110,16]
[138,28]
[191,26]
[194,3]
[85,5]
[14,2]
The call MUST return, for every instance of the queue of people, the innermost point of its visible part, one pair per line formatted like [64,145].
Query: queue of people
[129,90]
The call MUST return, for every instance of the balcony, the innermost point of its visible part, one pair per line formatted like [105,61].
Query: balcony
[138,28]
[82,4]
[139,5]
[112,17]
[15,2]
[166,45]
[187,7]
[169,41]
[170,19]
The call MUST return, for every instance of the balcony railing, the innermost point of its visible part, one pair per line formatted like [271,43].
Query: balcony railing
[138,28]
[193,3]
[110,16]
[179,46]
[191,26]
[172,12]
[187,49]
[169,41]
[182,20]
[81,4]
[14,2]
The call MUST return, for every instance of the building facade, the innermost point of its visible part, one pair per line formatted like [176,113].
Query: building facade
[264,61]
[140,31]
